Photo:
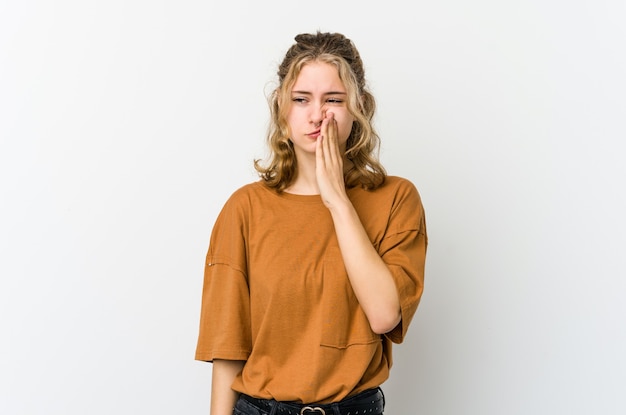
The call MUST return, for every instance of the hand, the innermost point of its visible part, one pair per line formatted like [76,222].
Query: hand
[329,164]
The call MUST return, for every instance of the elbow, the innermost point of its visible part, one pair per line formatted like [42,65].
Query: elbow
[385,322]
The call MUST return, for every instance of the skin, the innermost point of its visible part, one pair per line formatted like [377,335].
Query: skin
[320,124]
[223,398]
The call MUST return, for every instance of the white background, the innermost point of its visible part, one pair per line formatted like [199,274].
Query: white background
[125,125]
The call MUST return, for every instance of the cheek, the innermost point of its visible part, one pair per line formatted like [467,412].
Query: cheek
[292,120]
[345,127]
[294,117]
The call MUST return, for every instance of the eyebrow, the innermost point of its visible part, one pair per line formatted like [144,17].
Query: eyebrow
[325,93]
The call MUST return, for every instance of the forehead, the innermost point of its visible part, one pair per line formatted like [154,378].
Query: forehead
[318,77]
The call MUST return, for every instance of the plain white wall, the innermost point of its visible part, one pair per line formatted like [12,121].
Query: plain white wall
[125,125]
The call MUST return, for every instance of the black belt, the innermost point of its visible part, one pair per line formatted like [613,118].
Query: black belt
[370,402]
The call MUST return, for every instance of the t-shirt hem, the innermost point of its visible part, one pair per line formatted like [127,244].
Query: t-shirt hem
[224,355]
[398,333]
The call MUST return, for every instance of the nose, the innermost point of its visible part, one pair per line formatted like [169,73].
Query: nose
[318,112]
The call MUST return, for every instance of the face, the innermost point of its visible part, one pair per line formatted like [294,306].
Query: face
[317,90]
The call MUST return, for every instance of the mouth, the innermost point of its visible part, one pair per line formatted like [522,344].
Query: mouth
[314,134]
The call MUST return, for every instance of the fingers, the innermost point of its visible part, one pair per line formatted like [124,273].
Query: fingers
[330,141]
[319,151]
[329,162]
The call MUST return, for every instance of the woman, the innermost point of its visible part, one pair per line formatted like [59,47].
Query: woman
[313,271]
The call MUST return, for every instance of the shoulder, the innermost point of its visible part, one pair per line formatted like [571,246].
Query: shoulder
[396,188]
[399,184]
[240,205]
[395,192]
[406,209]
[241,201]
[392,208]
[403,193]
[249,193]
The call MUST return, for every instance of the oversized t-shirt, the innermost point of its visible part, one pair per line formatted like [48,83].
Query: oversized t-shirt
[276,292]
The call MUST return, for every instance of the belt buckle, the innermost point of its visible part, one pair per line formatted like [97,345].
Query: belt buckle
[315,409]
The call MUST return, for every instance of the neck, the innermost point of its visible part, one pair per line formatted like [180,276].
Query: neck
[305,182]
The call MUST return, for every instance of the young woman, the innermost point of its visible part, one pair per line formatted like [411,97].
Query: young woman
[313,271]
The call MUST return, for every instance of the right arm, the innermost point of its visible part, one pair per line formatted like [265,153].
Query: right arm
[223,398]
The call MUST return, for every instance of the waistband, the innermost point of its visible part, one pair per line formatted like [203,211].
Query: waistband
[371,402]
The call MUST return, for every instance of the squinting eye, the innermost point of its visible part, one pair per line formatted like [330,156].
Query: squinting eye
[335,101]
[299,100]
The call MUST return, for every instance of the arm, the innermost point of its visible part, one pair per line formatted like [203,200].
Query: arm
[223,398]
[369,276]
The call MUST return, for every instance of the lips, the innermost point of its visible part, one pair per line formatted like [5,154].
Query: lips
[314,134]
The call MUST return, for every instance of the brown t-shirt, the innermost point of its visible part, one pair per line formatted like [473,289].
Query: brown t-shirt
[277,295]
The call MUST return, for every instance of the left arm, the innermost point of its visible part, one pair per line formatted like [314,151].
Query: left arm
[369,276]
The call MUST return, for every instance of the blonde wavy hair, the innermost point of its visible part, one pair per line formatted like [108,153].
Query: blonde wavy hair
[363,143]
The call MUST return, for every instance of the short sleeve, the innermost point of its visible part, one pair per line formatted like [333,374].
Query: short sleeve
[225,312]
[404,251]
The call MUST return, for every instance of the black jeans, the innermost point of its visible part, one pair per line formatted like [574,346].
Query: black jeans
[370,402]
